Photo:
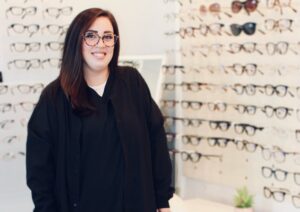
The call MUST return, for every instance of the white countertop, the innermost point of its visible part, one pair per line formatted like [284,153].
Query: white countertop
[197,205]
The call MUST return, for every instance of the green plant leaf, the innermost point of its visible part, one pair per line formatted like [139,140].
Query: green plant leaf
[243,199]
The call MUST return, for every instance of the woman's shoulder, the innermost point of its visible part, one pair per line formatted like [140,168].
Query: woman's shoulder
[52,90]
[126,71]
[129,73]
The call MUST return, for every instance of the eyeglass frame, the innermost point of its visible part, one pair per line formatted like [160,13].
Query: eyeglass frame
[24,11]
[275,171]
[115,37]
[30,47]
[280,5]
[282,191]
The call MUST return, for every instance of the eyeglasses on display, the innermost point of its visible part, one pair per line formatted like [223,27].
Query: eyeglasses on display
[20,29]
[8,156]
[171,69]
[213,9]
[194,156]
[54,45]
[249,5]
[25,106]
[21,11]
[279,174]
[278,154]
[248,129]
[27,89]
[278,194]
[23,47]
[57,12]
[248,28]
[272,4]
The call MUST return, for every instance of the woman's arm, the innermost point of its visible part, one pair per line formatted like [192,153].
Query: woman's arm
[161,163]
[39,158]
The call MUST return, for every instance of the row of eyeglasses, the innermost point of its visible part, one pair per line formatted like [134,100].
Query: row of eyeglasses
[241,128]
[241,144]
[221,125]
[21,89]
[268,48]
[250,6]
[26,1]
[35,46]
[249,28]
[238,88]
[26,106]
[275,152]
[280,112]
[31,29]
[23,12]
[238,69]
[34,63]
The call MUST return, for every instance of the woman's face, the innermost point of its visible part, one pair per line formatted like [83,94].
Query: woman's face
[97,53]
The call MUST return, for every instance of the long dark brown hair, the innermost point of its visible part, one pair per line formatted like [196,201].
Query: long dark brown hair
[71,75]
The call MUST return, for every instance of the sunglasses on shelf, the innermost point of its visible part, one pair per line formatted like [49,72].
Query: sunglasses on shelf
[248,28]
[249,5]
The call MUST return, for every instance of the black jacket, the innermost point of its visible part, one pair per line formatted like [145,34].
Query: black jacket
[53,148]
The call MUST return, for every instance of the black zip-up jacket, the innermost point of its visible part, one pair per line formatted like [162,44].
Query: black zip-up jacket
[53,148]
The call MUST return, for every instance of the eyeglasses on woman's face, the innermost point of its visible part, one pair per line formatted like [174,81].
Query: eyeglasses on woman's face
[92,38]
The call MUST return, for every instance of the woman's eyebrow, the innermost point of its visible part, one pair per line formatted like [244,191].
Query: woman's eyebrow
[91,30]
[107,32]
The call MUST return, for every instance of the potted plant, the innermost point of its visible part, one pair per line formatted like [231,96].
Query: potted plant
[243,200]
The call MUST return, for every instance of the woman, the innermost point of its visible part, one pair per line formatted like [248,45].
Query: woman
[96,141]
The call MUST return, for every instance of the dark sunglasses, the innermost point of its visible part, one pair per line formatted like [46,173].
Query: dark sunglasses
[249,28]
